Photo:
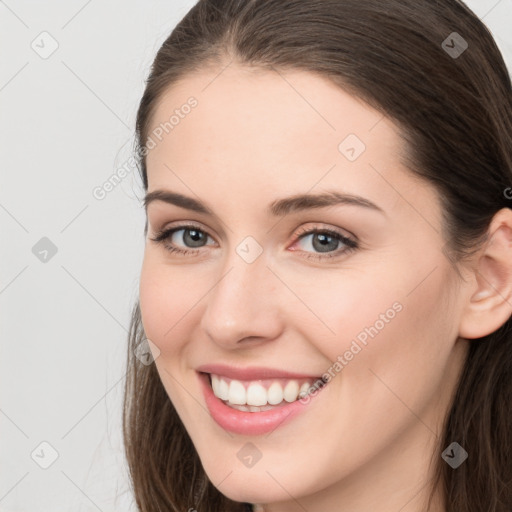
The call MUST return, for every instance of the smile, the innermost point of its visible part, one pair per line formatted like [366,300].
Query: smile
[258,396]
[256,401]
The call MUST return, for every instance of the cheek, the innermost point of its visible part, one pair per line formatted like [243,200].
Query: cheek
[166,303]
[402,360]
[167,313]
[345,308]
[364,324]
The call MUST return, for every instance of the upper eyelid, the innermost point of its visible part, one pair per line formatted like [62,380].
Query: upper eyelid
[185,225]
[318,228]
[302,231]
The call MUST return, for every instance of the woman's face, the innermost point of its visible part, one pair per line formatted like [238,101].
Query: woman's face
[349,283]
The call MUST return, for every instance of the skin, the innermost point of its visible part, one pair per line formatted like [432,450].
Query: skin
[366,439]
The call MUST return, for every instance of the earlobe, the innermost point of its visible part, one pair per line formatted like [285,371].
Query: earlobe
[489,304]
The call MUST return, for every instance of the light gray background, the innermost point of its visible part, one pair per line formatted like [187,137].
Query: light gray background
[66,125]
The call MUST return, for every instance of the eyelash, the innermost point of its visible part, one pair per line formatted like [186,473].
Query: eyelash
[350,245]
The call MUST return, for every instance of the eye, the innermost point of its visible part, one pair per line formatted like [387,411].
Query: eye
[326,242]
[189,239]
[192,237]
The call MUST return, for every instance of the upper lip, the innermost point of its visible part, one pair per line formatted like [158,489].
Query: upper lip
[252,372]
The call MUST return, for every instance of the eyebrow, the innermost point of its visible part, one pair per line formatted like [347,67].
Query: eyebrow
[279,207]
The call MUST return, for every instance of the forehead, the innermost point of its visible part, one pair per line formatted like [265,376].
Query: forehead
[262,132]
[250,106]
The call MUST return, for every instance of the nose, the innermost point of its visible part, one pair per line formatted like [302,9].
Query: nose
[243,307]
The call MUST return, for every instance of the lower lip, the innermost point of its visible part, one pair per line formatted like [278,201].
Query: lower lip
[249,423]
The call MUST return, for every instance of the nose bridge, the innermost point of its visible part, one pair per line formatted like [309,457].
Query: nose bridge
[242,302]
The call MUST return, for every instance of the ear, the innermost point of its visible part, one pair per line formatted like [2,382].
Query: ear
[489,303]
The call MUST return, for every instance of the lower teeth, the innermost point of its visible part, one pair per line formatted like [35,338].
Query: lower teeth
[253,408]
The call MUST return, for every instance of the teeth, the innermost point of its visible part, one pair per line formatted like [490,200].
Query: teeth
[220,388]
[291,391]
[254,396]
[223,393]
[275,394]
[237,393]
[215,385]
[304,390]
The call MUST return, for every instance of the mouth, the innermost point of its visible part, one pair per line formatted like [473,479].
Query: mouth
[253,402]
[261,395]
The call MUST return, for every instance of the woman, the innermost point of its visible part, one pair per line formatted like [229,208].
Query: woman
[326,289]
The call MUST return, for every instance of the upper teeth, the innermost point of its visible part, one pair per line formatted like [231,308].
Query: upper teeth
[255,393]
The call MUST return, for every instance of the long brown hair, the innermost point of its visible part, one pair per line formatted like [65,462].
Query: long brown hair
[454,106]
